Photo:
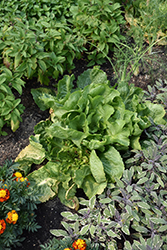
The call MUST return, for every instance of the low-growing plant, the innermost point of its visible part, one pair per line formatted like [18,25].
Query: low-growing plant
[87,130]
[99,23]
[10,108]
[18,202]
[134,211]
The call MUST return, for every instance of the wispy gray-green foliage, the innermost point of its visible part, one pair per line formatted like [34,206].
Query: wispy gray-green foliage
[87,130]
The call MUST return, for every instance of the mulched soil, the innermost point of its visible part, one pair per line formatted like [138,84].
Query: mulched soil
[48,213]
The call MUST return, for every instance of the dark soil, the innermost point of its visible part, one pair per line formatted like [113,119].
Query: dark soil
[48,214]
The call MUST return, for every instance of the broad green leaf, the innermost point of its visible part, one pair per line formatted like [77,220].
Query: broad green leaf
[14,125]
[89,76]
[42,65]
[31,154]
[80,174]
[157,112]
[97,168]
[141,229]
[65,133]
[91,187]
[70,216]
[65,86]
[44,97]
[2,78]
[113,164]
[17,60]
[43,182]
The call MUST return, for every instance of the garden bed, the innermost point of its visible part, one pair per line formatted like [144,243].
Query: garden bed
[48,213]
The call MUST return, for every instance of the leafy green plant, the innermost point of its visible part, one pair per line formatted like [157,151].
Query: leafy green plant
[18,201]
[135,210]
[99,23]
[87,130]
[10,108]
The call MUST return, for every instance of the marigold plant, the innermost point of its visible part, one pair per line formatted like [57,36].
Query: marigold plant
[18,202]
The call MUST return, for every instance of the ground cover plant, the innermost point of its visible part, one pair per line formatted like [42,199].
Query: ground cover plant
[109,141]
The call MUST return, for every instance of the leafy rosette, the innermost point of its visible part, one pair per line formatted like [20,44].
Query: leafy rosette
[88,129]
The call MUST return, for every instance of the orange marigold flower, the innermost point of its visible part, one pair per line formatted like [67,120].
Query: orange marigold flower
[12,217]
[18,175]
[2,226]
[24,179]
[79,244]
[68,248]
[4,194]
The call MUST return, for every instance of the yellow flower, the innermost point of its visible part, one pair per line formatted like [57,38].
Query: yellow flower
[68,248]
[17,174]
[12,217]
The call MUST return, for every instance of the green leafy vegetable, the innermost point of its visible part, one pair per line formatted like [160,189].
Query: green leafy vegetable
[88,129]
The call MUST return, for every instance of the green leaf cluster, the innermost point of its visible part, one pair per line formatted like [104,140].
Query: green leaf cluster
[10,108]
[88,129]
[42,38]
[23,199]
[135,210]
